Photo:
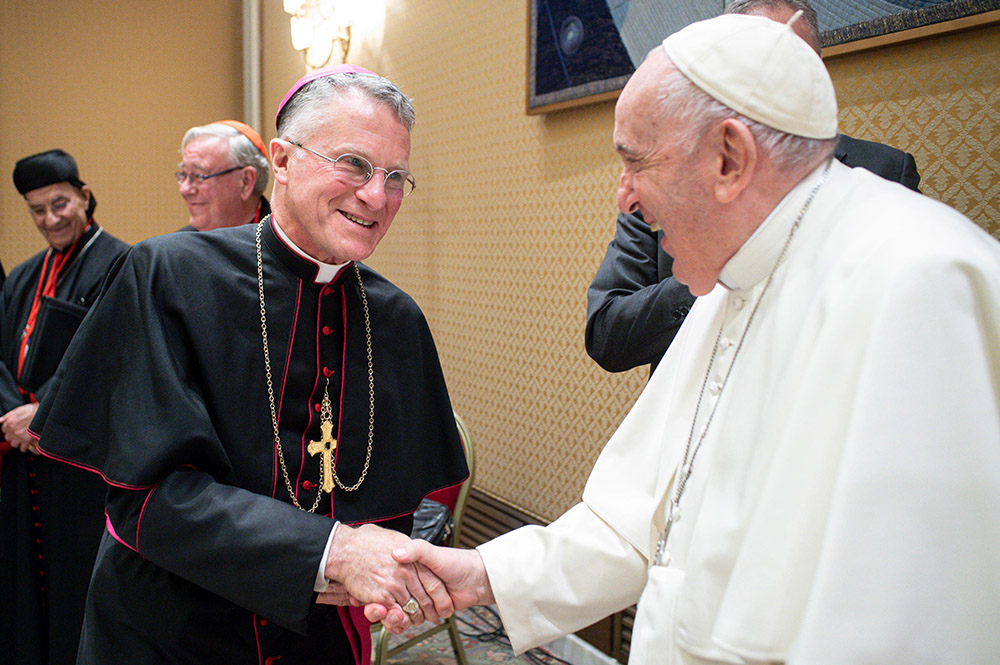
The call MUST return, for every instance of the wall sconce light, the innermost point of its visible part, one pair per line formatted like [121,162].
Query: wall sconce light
[320,28]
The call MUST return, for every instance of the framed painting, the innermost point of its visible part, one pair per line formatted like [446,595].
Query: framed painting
[583,51]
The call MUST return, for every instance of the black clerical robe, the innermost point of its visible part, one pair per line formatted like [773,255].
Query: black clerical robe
[205,559]
[51,514]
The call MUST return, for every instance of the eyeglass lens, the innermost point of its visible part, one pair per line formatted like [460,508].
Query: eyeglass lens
[359,170]
[199,178]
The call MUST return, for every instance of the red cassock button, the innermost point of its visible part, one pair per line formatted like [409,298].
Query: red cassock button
[317,408]
[307,485]
[327,330]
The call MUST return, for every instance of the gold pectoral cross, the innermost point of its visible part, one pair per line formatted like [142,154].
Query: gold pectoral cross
[326,445]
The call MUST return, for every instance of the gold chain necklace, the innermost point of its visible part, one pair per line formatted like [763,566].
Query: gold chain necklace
[662,555]
[327,443]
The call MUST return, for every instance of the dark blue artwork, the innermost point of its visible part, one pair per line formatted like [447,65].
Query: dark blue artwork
[577,43]
[585,50]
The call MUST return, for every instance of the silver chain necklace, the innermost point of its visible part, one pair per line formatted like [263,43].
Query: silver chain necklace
[662,556]
[327,469]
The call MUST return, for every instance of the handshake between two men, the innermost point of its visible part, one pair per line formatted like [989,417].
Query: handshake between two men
[385,572]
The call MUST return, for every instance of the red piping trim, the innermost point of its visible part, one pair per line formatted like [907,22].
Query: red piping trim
[142,511]
[111,530]
[256,637]
[281,393]
[124,486]
[410,512]
[343,372]
[312,394]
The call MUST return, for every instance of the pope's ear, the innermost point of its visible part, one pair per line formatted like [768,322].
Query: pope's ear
[279,160]
[737,158]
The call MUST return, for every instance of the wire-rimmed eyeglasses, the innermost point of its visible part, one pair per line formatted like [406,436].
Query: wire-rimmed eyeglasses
[198,178]
[357,170]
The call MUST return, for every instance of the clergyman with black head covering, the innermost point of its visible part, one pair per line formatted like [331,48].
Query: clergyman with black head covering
[51,514]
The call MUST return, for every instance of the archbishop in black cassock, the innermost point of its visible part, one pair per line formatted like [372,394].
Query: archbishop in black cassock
[204,558]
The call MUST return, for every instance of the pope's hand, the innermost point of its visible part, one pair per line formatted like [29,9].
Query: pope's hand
[461,571]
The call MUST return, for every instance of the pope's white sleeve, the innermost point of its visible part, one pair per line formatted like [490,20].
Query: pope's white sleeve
[550,581]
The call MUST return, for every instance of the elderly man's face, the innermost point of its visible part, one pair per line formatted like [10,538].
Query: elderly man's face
[329,218]
[216,202]
[60,212]
[667,182]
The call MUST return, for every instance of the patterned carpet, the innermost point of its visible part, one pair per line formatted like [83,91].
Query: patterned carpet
[483,639]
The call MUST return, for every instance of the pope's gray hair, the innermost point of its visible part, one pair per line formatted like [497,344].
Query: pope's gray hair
[698,112]
[242,151]
[307,109]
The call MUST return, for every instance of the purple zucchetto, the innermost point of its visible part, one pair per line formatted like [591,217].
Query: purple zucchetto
[312,76]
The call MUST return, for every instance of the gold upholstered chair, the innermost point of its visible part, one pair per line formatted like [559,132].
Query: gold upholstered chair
[381,651]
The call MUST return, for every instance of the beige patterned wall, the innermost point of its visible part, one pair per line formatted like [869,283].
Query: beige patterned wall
[512,214]
[940,99]
[498,244]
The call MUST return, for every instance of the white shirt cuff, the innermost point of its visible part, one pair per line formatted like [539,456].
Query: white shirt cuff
[322,584]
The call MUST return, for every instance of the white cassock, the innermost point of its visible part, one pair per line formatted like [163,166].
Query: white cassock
[845,504]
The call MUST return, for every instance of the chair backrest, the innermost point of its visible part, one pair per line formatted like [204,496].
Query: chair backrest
[463,493]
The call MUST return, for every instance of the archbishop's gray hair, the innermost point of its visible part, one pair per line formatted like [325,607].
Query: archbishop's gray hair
[698,111]
[242,151]
[307,109]
[763,6]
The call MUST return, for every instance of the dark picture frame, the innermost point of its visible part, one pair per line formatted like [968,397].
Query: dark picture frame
[583,51]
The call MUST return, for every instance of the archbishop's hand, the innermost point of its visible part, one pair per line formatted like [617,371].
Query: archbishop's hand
[360,563]
[462,572]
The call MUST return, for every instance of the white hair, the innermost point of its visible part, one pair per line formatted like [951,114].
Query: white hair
[307,109]
[242,151]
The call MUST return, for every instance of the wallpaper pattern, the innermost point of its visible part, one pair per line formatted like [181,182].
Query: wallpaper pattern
[512,214]
[940,100]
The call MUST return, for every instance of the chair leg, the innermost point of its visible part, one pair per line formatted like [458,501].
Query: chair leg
[380,647]
[456,641]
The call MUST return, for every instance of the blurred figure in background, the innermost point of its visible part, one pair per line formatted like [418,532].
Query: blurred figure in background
[223,174]
[51,514]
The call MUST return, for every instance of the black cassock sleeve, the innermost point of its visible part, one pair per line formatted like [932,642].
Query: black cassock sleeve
[10,396]
[129,406]
[633,311]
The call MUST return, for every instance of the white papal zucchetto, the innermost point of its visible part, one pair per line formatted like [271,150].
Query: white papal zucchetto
[761,69]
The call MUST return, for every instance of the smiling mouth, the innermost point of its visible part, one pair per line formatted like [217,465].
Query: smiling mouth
[357,220]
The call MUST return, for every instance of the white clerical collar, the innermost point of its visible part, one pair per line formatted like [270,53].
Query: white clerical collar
[754,260]
[325,272]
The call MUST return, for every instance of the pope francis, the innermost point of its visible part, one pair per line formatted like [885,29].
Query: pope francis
[812,474]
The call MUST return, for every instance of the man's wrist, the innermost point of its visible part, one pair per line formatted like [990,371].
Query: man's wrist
[484,590]
[323,578]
